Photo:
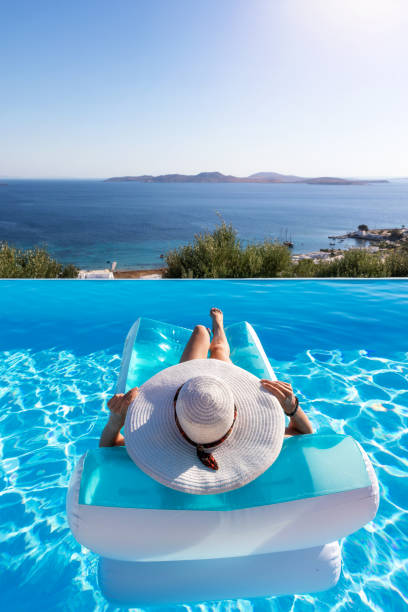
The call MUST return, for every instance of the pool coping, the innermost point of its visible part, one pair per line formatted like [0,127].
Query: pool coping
[152,280]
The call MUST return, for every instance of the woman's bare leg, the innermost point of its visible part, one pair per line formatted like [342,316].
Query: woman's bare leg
[198,345]
[219,347]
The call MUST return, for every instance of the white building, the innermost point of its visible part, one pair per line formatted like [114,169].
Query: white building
[96,274]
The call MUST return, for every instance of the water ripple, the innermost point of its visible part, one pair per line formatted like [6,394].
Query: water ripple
[53,405]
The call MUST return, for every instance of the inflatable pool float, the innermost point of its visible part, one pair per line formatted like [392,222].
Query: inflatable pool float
[276,535]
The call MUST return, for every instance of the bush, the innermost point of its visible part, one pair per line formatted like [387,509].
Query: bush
[69,271]
[220,254]
[32,263]
[211,256]
[276,259]
[305,268]
[397,262]
[355,263]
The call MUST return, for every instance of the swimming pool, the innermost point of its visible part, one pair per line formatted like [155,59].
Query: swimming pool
[341,343]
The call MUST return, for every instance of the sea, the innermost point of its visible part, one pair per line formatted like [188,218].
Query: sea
[92,223]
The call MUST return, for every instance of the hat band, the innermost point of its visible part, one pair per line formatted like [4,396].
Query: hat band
[206,458]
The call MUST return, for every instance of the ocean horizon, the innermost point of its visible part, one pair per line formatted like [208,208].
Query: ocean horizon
[91,223]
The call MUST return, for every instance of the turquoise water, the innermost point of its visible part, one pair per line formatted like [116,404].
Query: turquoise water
[88,222]
[342,344]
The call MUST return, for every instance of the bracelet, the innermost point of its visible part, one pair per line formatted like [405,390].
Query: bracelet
[291,414]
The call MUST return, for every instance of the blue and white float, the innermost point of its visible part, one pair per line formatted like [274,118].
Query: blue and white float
[276,535]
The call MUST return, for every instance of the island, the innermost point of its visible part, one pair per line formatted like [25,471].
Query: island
[259,177]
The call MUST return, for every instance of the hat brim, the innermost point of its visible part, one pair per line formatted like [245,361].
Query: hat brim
[157,447]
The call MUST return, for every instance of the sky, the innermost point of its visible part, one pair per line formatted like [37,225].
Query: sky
[95,88]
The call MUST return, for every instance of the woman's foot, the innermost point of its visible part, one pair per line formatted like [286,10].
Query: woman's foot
[217,318]
[219,347]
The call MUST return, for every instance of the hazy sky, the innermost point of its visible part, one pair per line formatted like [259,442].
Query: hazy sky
[97,88]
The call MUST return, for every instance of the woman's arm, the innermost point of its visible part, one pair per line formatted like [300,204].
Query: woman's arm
[299,423]
[118,406]
[111,435]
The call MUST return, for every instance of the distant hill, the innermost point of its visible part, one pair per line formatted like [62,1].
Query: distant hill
[330,180]
[218,177]
[276,177]
[202,177]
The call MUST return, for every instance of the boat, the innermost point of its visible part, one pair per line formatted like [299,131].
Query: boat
[288,241]
[277,535]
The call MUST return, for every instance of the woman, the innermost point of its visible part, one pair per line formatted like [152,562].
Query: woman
[197,347]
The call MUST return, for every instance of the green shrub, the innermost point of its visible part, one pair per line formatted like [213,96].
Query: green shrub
[305,268]
[212,255]
[220,254]
[276,259]
[397,262]
[32,263]
[69,271]
[355,263]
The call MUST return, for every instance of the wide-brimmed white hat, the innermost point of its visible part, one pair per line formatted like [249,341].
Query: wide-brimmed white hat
[204,426]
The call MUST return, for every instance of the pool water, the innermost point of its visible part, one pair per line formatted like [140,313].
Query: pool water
[342,344]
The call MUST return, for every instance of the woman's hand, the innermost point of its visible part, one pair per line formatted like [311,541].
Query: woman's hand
[299,423]
[118,406]
[283,392]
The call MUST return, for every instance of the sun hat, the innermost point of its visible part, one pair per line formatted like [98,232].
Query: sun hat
[203,427]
